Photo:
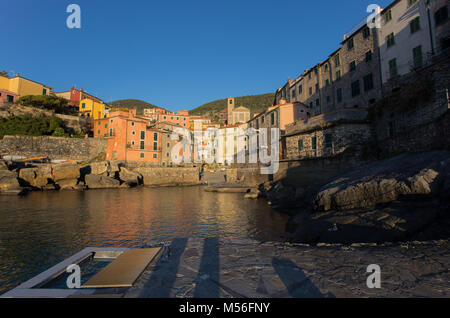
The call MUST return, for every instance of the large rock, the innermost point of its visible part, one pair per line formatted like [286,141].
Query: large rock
[130,177]
[386,181]
[3,165]
[65,171]
[101,182]
[9,183]
[98,168]
[395,199]
[70,184]
[38,177]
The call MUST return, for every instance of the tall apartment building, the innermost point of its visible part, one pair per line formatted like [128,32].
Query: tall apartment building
[406,37]
[354,74]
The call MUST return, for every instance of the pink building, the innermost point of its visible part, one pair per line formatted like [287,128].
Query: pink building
[7,96]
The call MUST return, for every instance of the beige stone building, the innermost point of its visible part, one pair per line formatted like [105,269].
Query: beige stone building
[237,115]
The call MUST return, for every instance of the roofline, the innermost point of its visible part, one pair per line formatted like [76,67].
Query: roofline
[19,76]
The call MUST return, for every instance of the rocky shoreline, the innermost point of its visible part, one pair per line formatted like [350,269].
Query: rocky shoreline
[402,198]
[22,178]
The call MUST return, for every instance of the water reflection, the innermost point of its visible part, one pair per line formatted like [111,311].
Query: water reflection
[41,229]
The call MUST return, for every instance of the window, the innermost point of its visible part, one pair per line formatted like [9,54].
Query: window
[317,87]
[155,146]
[142,145]
[110,132]
[293,93]
[98,132]
[339,95]
[326,67]
[350,44]
[393,67]
[328,141]
[300,89]
[355,88]
[441,15]
[314,143]
[338,75]
[352,66]
[366,32]
[133,133]
[167,154]
[178,118]
[272,118]
[83,105]
[417,56]
[44,91]
[368,82]
[168,145]
[132,143]
[311,105]
[106,126]
[390,40]
[317,102]
[262,119]
[142,155]
[310,91]
[388,16]
[99,123]
[155,156]
[327,82]
[369,56]
[132,123]
[414,25]
[155,136]
[337,60]
[300,144]
[10,98]
[142,134]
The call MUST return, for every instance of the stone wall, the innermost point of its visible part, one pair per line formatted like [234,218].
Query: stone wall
[53,147]
[426,137]
[341,138]
[169,176]
[414,116]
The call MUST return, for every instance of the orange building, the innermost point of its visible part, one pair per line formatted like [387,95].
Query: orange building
[129,137]
[180,118]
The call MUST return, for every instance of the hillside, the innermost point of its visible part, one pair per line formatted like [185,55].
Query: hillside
[256,104]
[132,103]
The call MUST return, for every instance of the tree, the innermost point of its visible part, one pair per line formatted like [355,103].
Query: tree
[4,73]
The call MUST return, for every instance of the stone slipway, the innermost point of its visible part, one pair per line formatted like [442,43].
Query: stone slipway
[242,268]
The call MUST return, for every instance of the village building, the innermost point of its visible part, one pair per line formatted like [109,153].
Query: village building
[405,41]
[92,109]
[236,115]
[75,96]
[18,86]
[129,137]
[441,25]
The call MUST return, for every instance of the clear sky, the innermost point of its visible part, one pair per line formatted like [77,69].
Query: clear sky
[177,54]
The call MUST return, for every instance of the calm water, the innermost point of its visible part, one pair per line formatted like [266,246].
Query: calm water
[41,229]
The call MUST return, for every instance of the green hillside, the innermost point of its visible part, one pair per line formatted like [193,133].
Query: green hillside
[132,103]
[256,104]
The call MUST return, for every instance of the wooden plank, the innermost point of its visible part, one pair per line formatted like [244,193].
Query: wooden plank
[125,270]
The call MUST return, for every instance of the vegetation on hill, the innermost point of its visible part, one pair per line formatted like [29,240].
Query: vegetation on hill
[57,104]
[28,125]
[256,104]
[132,103]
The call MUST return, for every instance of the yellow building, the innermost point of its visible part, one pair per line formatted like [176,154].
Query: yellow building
[92,109]
[23,86]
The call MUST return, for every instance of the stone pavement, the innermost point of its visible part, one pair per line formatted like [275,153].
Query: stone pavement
[215,267]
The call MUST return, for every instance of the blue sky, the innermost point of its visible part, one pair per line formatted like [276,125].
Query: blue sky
[177,54]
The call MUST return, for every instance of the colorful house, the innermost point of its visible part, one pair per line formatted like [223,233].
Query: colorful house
[129,137]
[75,96]
[92,109]
[22,86]
[7,96]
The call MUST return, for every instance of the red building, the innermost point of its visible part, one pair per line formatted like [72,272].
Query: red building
[74,96]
